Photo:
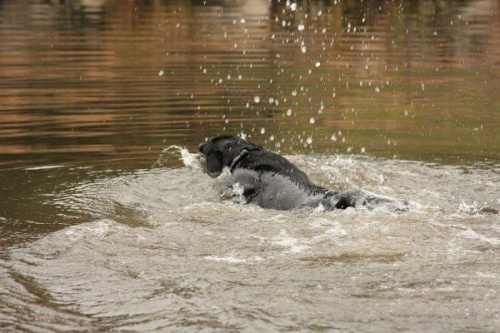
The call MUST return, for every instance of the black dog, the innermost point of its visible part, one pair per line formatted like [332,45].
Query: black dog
[271,181]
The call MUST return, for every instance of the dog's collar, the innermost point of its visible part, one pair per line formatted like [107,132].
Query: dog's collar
[237,159]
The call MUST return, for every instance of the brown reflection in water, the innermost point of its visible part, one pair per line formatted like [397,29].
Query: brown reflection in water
[123,79]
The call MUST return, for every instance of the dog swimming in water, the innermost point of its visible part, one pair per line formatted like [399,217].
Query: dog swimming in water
[271,181]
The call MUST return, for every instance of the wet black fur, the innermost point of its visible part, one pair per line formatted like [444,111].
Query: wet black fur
[256,169]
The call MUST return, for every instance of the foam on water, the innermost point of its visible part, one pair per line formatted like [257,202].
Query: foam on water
[231,260]
[294,245]
[165,251]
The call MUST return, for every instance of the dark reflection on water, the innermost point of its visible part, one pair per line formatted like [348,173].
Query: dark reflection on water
[98,81]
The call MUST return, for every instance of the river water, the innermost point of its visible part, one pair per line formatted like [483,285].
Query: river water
[108,223]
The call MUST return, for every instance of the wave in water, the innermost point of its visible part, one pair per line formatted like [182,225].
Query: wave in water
[165,252]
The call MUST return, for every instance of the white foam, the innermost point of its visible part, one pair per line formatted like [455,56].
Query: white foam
[472,234]
[322,222]
[468,208]
[98,228]
[292,243]
[231,260]
[235,193]
[336,230]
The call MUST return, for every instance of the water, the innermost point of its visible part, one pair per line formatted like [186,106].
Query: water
[160,251]
[108,223]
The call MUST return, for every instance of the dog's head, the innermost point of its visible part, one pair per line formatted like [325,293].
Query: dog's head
[221,151]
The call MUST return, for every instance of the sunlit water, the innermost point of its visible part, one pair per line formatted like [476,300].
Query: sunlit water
[108,222]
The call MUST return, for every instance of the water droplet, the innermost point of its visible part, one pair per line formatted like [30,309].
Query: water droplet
[317,64]
[289,112]
[303,48]
[301,27]
[256,99]
[293,6]
[309,140]
[312,120]
[377,89]
[262,130]
[161,73]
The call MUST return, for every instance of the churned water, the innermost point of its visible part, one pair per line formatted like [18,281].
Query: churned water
[107,221]
[161,251]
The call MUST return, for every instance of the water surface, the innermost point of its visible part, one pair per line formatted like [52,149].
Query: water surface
[103,230]
[112,81]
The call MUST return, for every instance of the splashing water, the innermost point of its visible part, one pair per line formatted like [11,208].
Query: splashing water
[162,250]
[193,161]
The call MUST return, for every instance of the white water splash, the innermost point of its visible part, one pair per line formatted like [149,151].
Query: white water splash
[190,160]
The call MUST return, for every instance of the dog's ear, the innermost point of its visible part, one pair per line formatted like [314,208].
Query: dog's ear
[214,164]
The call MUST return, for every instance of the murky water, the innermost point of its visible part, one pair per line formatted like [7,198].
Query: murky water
[103,230]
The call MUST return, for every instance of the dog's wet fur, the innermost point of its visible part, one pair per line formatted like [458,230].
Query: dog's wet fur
[271,181]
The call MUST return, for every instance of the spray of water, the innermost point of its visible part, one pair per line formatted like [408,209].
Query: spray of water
[192,161]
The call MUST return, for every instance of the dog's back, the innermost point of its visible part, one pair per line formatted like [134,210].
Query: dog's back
[264,161]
